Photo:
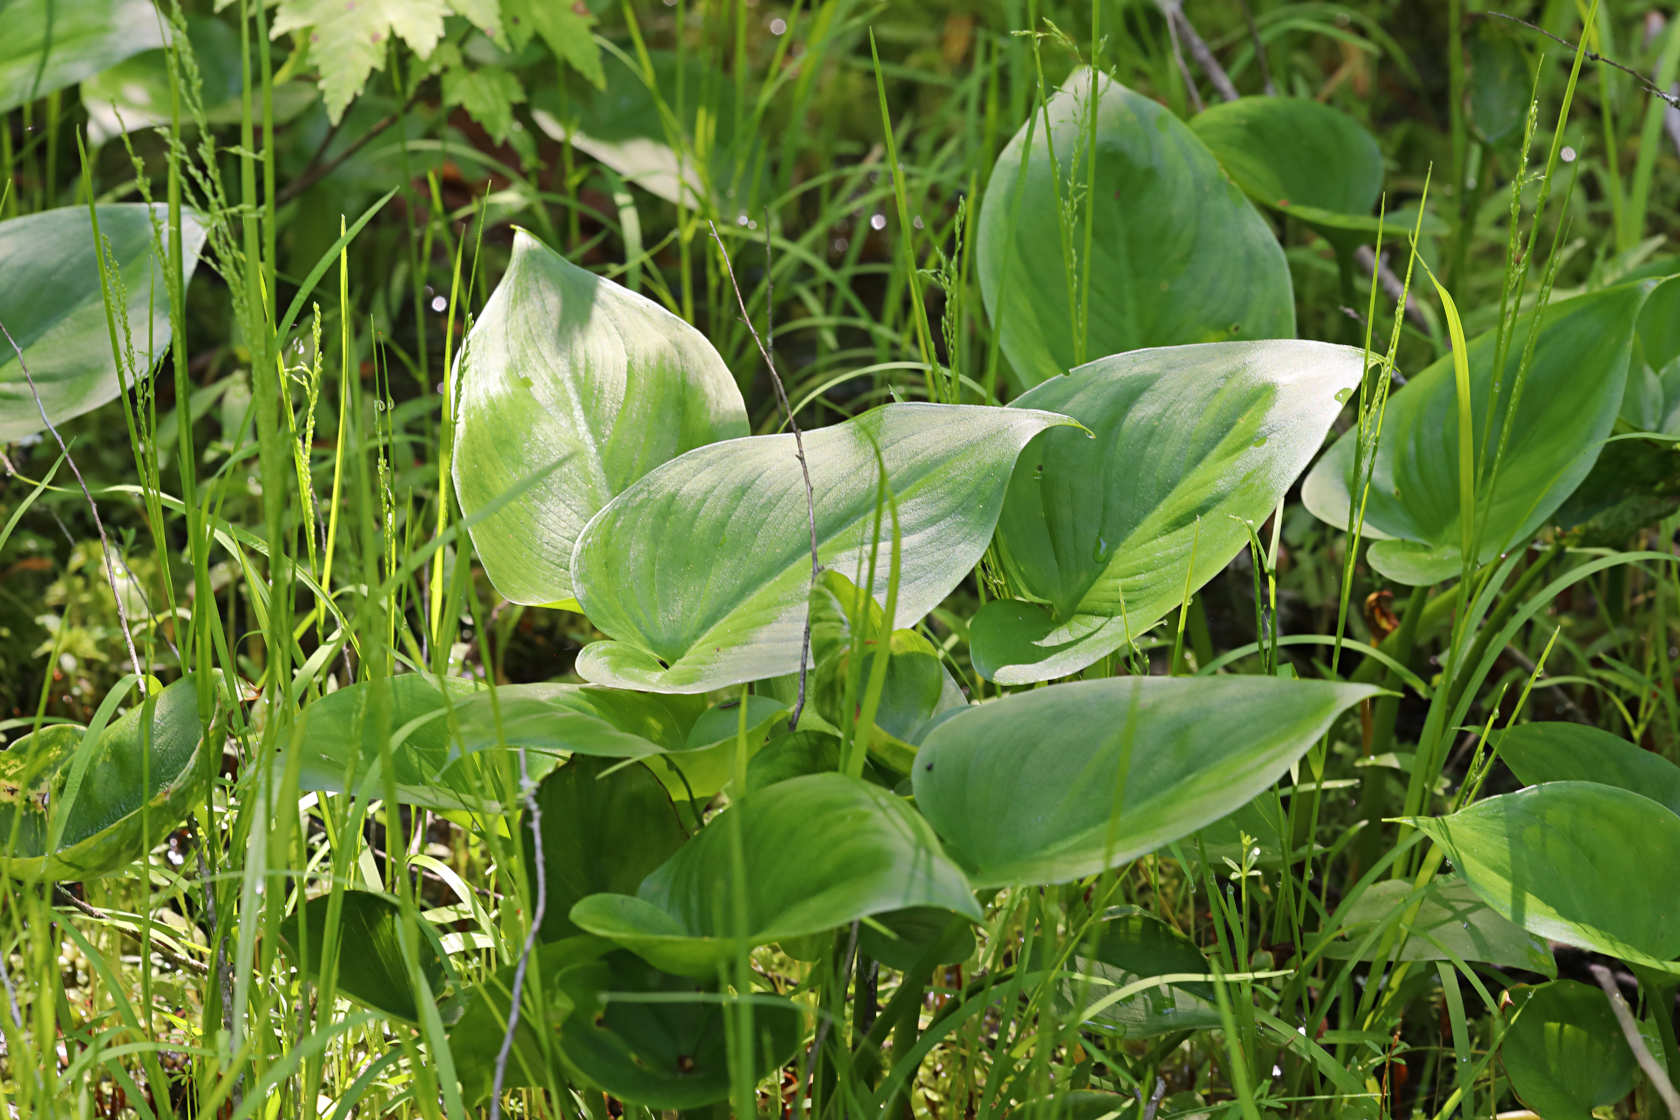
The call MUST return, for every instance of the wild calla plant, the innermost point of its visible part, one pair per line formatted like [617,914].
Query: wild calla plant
[761,642]
[699,570]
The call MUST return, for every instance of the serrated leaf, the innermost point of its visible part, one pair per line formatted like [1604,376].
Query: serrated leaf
[565,27]
[487,93]
[349,39]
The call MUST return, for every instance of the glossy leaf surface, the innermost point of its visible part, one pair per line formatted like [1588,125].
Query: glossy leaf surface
[51,303]
[700,571]
[1104,535]
[369,963]
[1564,1052]
[605,827]
[50,44]
[1568,405]
[1574,862]
[143,775]
[1297,156]
[1175,253]
[1060,782]
[1574,752]
[665,1051]
[817,852]
[571,388]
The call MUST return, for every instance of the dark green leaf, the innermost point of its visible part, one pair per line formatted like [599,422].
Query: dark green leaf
[369,957]
[601,831]
[1573,752]
[148,769]
[1174,253]
[1569,403]
[1564,1052]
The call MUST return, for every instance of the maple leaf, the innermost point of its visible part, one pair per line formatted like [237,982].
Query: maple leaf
[349,39]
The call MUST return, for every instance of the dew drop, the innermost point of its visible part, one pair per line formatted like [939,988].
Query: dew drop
[877,221]
[1342,395]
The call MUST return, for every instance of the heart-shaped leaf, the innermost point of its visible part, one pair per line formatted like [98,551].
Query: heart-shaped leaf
[1569,403]
[649,1045]
[1193,444]
[51,304]
[1573,861]
[701,570]
[1173,252]
[1564,1051]
[571,388]
[1574,752]
[145,772]
[1298,156]
[368,951]
[51,44]
[815,853]
[1452,922]
[1060,782]
[560,977]
[605,827]
[433,727]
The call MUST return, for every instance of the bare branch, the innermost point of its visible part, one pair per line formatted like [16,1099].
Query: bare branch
[1636,1042]
[1178,24]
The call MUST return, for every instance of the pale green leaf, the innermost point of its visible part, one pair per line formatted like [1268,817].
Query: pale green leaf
[700,571]
[1104,536]
[570,389]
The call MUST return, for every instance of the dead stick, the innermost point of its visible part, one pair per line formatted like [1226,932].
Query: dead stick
[1636,1042]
